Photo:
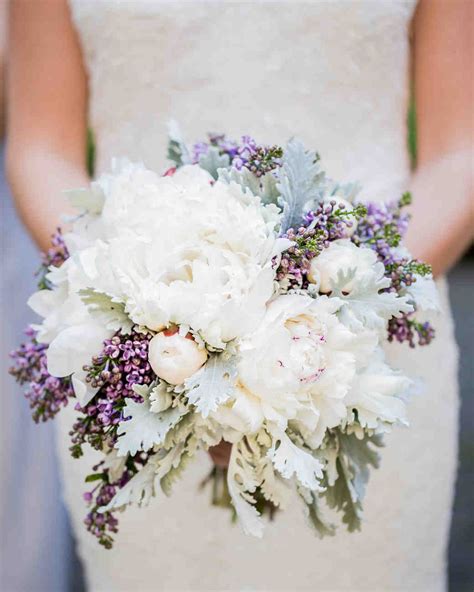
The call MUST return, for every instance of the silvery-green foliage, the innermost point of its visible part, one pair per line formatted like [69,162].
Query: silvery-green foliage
[213,384]
[366,306]
[160,397]
[177,150]
[242,481]
[347,191]
[265,186]
[274,488]
[90,199]
[114,464]
[314,515]
[300,183]
[289,459]
[242,177]
[212,161]
[269,190]
[353,461]
[174,474]
[139,490]
[107,310]
[181,431]
[144,429]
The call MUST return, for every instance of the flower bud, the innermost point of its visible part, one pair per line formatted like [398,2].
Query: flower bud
[175,357]
[344,257]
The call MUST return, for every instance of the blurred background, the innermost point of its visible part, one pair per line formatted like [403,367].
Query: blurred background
[36,547]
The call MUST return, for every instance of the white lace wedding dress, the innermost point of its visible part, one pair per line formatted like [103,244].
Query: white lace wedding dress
[333,73]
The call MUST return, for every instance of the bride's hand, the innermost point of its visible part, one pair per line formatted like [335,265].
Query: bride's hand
[220,454]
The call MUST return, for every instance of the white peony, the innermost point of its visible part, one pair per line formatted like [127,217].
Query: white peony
[178,250]
[378,395]
[423,292]
[298,365]
[175,357]
[343,256]
[183,250]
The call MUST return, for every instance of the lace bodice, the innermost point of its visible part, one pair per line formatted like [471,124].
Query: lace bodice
[333,73]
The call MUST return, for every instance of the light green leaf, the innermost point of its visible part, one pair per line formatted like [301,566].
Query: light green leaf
[177,149]
[242,481]
[274,488]
[109,311]
[265,186]
[353,461]
[300,183]
[90,199]
[144,429]
[213,384]
[174,474]
[314,515]
[139,490]
[290,460]
[212,161]
[367,306]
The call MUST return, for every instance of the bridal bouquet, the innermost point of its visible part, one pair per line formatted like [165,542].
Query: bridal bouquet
[243,296]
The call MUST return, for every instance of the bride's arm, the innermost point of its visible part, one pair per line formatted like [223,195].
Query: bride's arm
[47,95]
[442,224]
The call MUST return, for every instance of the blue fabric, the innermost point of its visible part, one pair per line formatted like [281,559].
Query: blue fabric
[36,550]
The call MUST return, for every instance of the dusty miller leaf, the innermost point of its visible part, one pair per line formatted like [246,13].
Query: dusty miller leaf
[174,474]
[352,465]
[212,161]
[367,306]
[213,384]
[177,150]
[242,482]
[265,186]
[91,199]
[107,310]
[300,183]
[139,490]
[313,513]
[144,429]
[290,460]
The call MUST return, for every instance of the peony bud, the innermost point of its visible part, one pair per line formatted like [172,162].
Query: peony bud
[341,256]
[174,357]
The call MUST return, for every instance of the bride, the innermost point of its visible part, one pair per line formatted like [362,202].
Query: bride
[335,74]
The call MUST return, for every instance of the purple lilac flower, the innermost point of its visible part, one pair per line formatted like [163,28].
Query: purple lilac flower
[45,393]
[407,329]
[122,364]
[55,256]
[382,230]
[258,159]
[327,223]
[103,524]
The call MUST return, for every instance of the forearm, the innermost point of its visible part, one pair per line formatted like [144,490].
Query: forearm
[38,178]
[443,217]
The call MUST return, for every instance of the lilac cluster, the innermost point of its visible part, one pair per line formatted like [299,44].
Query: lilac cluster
[45,393]
[102,524]
[329,222]
[122,364]
[55,256]
[257,159]
[382,230]
[409,330]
